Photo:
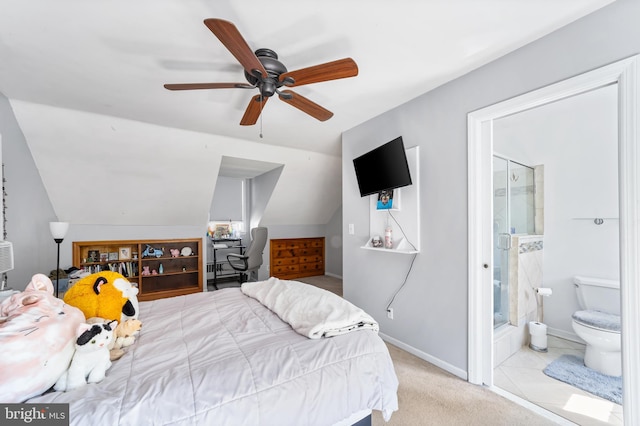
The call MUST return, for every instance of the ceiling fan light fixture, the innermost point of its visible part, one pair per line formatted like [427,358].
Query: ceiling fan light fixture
[264,71]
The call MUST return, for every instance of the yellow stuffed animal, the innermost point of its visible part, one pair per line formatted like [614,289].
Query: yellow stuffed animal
[105,294]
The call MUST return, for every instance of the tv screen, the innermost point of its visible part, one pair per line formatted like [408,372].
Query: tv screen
[382,168]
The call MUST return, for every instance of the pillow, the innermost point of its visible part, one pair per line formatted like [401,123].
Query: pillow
[37,337]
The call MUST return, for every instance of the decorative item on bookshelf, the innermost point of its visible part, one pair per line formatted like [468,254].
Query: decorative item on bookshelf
[93,256]
[113,256]
[124,253]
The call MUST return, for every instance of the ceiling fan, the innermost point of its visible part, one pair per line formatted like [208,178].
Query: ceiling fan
[264,71]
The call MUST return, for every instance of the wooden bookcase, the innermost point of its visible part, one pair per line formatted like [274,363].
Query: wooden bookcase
[175,275]
[297,257]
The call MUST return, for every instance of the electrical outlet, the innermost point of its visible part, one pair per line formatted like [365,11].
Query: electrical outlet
[390,313]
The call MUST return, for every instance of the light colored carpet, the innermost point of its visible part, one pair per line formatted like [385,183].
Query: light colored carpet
[428,395]
[326,282]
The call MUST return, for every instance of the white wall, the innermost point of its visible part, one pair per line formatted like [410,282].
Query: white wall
[576,141]
[164,176]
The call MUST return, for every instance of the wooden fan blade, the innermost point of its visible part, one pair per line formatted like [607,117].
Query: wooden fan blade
[342,68]
[194,86]
[305,105]
[253,111]
[229,35]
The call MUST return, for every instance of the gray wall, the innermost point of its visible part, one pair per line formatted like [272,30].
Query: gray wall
[333,245]
[431,310]
[228,200]
[29,210]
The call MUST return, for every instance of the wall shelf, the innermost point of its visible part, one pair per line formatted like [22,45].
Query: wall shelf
[402,246]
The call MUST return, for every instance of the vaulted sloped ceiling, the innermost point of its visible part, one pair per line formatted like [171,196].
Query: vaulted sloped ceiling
[130,173]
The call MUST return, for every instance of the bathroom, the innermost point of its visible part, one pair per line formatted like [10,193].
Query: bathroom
[552,166]
[566,176]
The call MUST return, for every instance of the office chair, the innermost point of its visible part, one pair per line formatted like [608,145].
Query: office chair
[251,259]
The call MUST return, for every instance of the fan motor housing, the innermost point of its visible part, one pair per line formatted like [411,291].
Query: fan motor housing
[274,67]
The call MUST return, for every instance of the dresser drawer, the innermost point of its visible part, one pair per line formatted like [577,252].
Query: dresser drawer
[284,269]
[309,267]
[310,259]
[284,245]
[310,251]
[283,253]
[285,261]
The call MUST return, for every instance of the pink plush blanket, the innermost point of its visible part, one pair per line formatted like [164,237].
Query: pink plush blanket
[37,334]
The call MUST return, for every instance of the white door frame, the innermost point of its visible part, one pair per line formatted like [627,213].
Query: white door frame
[626,74]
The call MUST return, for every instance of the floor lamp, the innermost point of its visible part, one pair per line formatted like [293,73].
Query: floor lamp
[58,231]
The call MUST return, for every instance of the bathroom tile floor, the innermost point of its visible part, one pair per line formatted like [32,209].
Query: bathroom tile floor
[521,375]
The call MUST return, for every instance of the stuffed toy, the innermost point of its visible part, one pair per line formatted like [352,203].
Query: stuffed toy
[91,358]
[123,335]
[37,333]
[105,294]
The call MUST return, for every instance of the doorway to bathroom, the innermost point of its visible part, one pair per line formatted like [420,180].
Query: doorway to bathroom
[622,76]
[513,213]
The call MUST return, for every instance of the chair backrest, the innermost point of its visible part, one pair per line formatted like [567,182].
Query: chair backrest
[256,248]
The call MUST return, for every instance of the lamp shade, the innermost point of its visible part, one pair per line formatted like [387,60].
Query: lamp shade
[58,229]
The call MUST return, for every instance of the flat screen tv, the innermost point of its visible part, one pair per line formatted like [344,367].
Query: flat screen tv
[382,168]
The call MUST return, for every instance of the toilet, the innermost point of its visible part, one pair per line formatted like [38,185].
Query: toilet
[598,323]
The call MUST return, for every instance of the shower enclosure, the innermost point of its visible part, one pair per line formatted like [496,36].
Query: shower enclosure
[513,213]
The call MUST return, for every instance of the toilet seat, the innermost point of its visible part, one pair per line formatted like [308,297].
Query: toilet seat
[602,321]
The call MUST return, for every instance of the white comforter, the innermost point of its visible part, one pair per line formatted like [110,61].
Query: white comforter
[311,311]
[222,358]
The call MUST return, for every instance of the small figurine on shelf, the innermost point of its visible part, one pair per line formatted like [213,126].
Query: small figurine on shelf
[145,270]
[161,269]
[174,252]
[154,272]
[151,252]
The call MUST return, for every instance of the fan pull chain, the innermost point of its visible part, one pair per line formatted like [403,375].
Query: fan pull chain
[261,106]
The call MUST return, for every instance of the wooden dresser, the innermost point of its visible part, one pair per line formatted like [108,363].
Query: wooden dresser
[297,257]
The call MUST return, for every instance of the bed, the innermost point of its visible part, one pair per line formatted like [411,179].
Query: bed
[224,358]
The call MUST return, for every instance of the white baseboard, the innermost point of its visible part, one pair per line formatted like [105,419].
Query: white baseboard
[425,356]
[565,335]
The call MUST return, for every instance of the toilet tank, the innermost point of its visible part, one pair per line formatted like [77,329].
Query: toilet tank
[598,294]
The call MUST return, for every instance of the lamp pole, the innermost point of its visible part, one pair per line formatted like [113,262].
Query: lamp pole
[58,231]
[58,241]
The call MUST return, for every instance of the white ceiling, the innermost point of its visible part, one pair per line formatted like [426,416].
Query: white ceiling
[113,57]
[85,81]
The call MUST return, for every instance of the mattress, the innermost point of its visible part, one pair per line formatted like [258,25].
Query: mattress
[223,358]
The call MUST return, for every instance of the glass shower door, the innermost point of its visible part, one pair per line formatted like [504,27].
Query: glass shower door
[501,241]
